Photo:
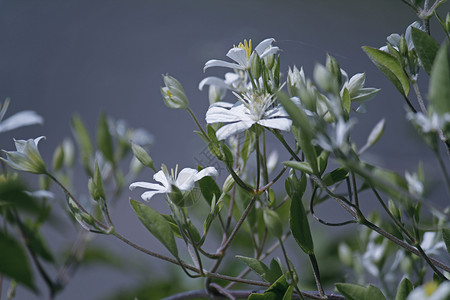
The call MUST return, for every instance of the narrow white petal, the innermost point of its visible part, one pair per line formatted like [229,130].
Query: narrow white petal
[23,118]
[218,114]
[239,56]
[147,185]
[148,195]
[209,171]
[233,128]
[222,104]
[221,63]
[276,123]
[213,81]
[268,51]
[264,45]
[276,112]
[161,177]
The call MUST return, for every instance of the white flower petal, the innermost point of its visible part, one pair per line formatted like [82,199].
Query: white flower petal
[233,128]
[23,118]
[261,47]
[268,51]
[148,195]
[238,55]
[217,114]
[221,63]
[161,177]
[186,178]
[210,171]
[276,123]
[213,81]
[147,185]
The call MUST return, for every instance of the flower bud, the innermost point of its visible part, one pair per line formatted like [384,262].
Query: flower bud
[255,65]
[228,184]
[142,155]
[269,61]
[173,93]
[403,47]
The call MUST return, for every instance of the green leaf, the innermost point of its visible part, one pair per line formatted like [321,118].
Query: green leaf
[300,119]
[299,225]
[209,188]
[426,48]
[358,292]
[391,68]
[14,261]
[257,266]
[13,192]
[299,165]
[288,294]
[404,289]
[335,176]
[273,223]
[36,242]
[439,81]
[446,236]
[104,139]
[275,292]
[82,135]
[156,224]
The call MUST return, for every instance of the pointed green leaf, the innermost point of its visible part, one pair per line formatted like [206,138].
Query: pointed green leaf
[14,261]
[275,292]
[426,48]
[288,294]
[391,68]
[257,266]
[446,236]
[82,135]
[156,224]
[359,292]
[439,81]
[299,165]
[300,119]
[335,176]
[299,225]
[104,139]
[404,289]
[209,188]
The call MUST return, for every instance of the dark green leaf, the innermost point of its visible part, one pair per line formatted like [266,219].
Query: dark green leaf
[104,139]
[404,289]
[335,176]
[275,292]
[440,81]
[298,223]
[36,242]
[446,236]
[209,188]
[257,266]
[391,68]
[13,193]
[358,292]
[14,261]
[426,48]
[156,224]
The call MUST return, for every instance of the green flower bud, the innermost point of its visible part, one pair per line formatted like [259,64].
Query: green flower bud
[69,152]
[255,65]
[173,93]
[403,47]
[58,158]
[95,185]
[269,61]
[27,157]
[333,67]
[142,156]
[228,184]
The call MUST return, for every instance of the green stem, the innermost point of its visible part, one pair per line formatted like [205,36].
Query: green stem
[258,161]
[196,122]
[294,282]
[285,144]
[316,273]
[419,97]
[265,170]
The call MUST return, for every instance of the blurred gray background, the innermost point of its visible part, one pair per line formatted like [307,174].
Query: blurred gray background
[64,57]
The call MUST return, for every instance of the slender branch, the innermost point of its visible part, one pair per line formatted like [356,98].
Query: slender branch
[410,5]
[265,170]
[196,122]
[285,144]
[258,162]
[355,190]
[316,273]
[419,97]
[288,264]
[268,185]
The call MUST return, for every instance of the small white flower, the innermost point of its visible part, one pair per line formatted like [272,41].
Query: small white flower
[252,109]
[183,181]
[242,55]
[414,185]
[27,157]
[431,291]
[20,119]
[433,123]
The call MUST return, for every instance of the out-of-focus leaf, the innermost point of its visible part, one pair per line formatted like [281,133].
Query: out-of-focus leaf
[426,47]
[439,81]
[156,224]
[13,192]
[404,289]
[298,223]
[104,139]
[299,165]
[335,176]
[37,243]
[391,68]
[14,261]
[446,236]
[358,292]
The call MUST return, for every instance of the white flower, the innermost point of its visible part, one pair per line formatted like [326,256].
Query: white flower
[415,186]
[20,119]
[183,181]
[431,291]
[433,123]
[27,157]
[252,109]
[242,55]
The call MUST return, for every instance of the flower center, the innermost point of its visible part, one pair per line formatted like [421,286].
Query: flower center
[247,46]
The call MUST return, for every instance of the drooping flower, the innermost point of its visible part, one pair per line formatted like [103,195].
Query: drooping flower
[242,55]
[168,182]
[20,119]
[251,109]
[27,157]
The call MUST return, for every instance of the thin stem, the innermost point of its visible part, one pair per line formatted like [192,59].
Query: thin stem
[268,185]
[430,263]
[239,294]
[196,122]
[410,104]
[410,5]
[265,170]
[288,264]
[419,97]
[316,273]
[355,190]
[258,161]
[237,227]
[238,180]
[285,144]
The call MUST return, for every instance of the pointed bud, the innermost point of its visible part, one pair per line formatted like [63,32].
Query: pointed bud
[255,65]
[27,157]
[173,93]
[142,156]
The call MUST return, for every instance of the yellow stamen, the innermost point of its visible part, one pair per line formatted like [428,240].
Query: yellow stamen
[430,288]
[169,94]
[247,46]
